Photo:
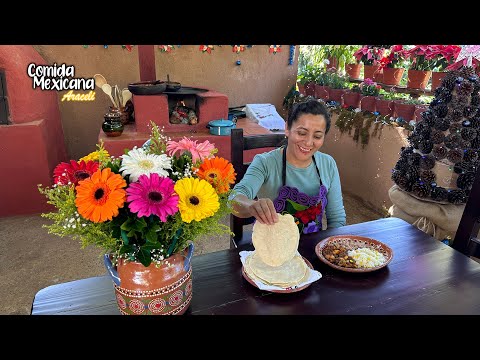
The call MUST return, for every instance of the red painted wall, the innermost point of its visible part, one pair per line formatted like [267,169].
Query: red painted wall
[33,144]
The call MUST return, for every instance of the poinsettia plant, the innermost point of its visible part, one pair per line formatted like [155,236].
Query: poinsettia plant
[395,57]
[369,54]
[445,56]
[423,57]
[144,205]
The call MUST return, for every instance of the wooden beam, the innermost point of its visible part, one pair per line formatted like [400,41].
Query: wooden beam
[146,62]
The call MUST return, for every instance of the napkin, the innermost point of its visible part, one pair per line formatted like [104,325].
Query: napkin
[313,276]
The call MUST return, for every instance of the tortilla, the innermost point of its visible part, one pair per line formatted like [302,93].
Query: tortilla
[277,243]
[291,273]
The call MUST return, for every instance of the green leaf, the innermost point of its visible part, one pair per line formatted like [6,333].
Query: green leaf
[151,235]
[126,249]
[297,206]
[144,256]
[124,237]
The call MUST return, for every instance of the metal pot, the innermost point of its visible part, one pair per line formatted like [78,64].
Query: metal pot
[221,127]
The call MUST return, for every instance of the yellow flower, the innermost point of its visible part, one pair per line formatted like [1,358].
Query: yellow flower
[94,156]
[197,199]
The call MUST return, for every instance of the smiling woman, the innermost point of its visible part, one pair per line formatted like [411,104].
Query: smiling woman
[297,179]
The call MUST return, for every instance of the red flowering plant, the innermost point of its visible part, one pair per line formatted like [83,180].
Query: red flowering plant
[423,57]
[445,56]
[395,57]
[146,204]
[369,54]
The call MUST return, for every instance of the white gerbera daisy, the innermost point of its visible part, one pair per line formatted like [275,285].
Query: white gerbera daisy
[137,163]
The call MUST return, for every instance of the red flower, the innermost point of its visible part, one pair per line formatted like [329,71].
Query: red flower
[65,173]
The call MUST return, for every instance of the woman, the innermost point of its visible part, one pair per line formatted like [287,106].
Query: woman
[297,172]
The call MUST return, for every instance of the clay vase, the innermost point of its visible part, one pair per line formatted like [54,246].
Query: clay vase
[336,95]
[154,290]
[351,98]
[384,107]
[418,79]
[353,70]
[322,92]
[367,103]
[124,115]
[392,76]
[437,77]
[310,89]
[406,111]
[373,72]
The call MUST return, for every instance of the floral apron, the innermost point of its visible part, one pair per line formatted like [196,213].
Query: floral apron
[309,214]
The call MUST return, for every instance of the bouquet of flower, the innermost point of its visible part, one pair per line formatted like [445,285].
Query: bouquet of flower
[146,204]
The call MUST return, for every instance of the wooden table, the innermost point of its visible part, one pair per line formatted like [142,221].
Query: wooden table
[424,277]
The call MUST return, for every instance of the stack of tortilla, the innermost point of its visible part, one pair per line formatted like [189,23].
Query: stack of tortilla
[276,260]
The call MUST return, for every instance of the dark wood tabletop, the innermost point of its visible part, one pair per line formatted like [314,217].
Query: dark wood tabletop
[425,276]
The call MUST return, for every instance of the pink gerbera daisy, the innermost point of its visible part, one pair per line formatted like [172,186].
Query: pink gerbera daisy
[199,151]
[153,194]
[65,173]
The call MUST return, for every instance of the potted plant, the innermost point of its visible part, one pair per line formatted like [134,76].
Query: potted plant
[370,56]
[352,97]
[322,88]
[369,91]
[445,55]
[385,102]
[138,209]
[423,60]
[393,65]
[337,85]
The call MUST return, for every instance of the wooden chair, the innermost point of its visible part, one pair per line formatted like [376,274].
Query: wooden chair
[466,240]
[239,144]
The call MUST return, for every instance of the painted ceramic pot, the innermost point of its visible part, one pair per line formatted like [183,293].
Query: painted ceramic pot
[164,289]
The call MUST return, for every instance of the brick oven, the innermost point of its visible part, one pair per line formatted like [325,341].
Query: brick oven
[208,105]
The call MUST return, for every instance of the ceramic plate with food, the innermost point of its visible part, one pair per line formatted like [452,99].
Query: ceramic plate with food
[354,253]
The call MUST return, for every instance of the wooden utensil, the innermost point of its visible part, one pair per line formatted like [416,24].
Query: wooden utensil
[126,95]
[107,89]
[99,80]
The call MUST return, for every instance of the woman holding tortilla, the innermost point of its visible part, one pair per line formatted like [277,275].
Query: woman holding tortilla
[297,173]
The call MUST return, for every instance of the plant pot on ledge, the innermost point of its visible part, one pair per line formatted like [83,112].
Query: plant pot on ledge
[353,70]
[322,92]
[392,76]
[437,77]
[351,98]
[336,95]
[418,79]
[368,103]
[406,111]
[385,107]
[310,89]
[373,72]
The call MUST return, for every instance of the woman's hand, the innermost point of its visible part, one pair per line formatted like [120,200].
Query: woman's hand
[264,211]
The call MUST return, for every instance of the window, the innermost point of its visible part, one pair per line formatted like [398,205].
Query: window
[3,99]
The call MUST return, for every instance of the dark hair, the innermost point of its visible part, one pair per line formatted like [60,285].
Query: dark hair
[313,107]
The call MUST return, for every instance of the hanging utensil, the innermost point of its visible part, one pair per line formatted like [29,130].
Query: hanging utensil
[99,80]
[107,89]
[126,95]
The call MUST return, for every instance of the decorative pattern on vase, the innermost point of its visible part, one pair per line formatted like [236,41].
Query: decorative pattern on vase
[173,299]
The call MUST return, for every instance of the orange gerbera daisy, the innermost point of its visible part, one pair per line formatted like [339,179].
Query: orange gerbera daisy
[218,172]
[100,196]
